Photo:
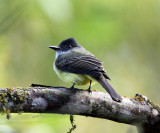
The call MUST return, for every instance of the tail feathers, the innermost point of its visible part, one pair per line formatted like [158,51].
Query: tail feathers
[115,96]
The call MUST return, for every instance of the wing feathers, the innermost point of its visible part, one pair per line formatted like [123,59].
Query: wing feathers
[87,64]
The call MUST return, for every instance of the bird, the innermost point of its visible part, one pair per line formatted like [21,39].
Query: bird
[74,64]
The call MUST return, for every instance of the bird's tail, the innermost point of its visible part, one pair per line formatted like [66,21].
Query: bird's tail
[115,96]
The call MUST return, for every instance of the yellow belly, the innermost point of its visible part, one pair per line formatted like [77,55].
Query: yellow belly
[72,78]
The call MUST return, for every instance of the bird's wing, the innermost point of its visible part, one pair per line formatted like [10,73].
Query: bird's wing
[82,64]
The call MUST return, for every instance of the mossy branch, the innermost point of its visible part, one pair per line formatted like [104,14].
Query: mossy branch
[136,111]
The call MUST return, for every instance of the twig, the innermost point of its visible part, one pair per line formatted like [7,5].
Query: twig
[72,123]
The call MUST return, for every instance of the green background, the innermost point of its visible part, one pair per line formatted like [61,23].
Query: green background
[125,35]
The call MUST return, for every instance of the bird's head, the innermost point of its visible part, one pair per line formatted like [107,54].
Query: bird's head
[66,45]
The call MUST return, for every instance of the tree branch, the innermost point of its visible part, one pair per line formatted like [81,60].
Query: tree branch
[79,102]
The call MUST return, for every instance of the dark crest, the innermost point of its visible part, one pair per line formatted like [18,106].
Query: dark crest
[68,44]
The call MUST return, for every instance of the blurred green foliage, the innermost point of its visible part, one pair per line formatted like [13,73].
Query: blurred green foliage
[125,35]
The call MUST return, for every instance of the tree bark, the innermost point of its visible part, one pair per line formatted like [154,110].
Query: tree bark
[138,111]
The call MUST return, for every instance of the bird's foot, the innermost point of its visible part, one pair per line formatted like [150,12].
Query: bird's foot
[89,89]
[72,87]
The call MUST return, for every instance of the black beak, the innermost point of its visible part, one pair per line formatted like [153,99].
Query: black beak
[54,47]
